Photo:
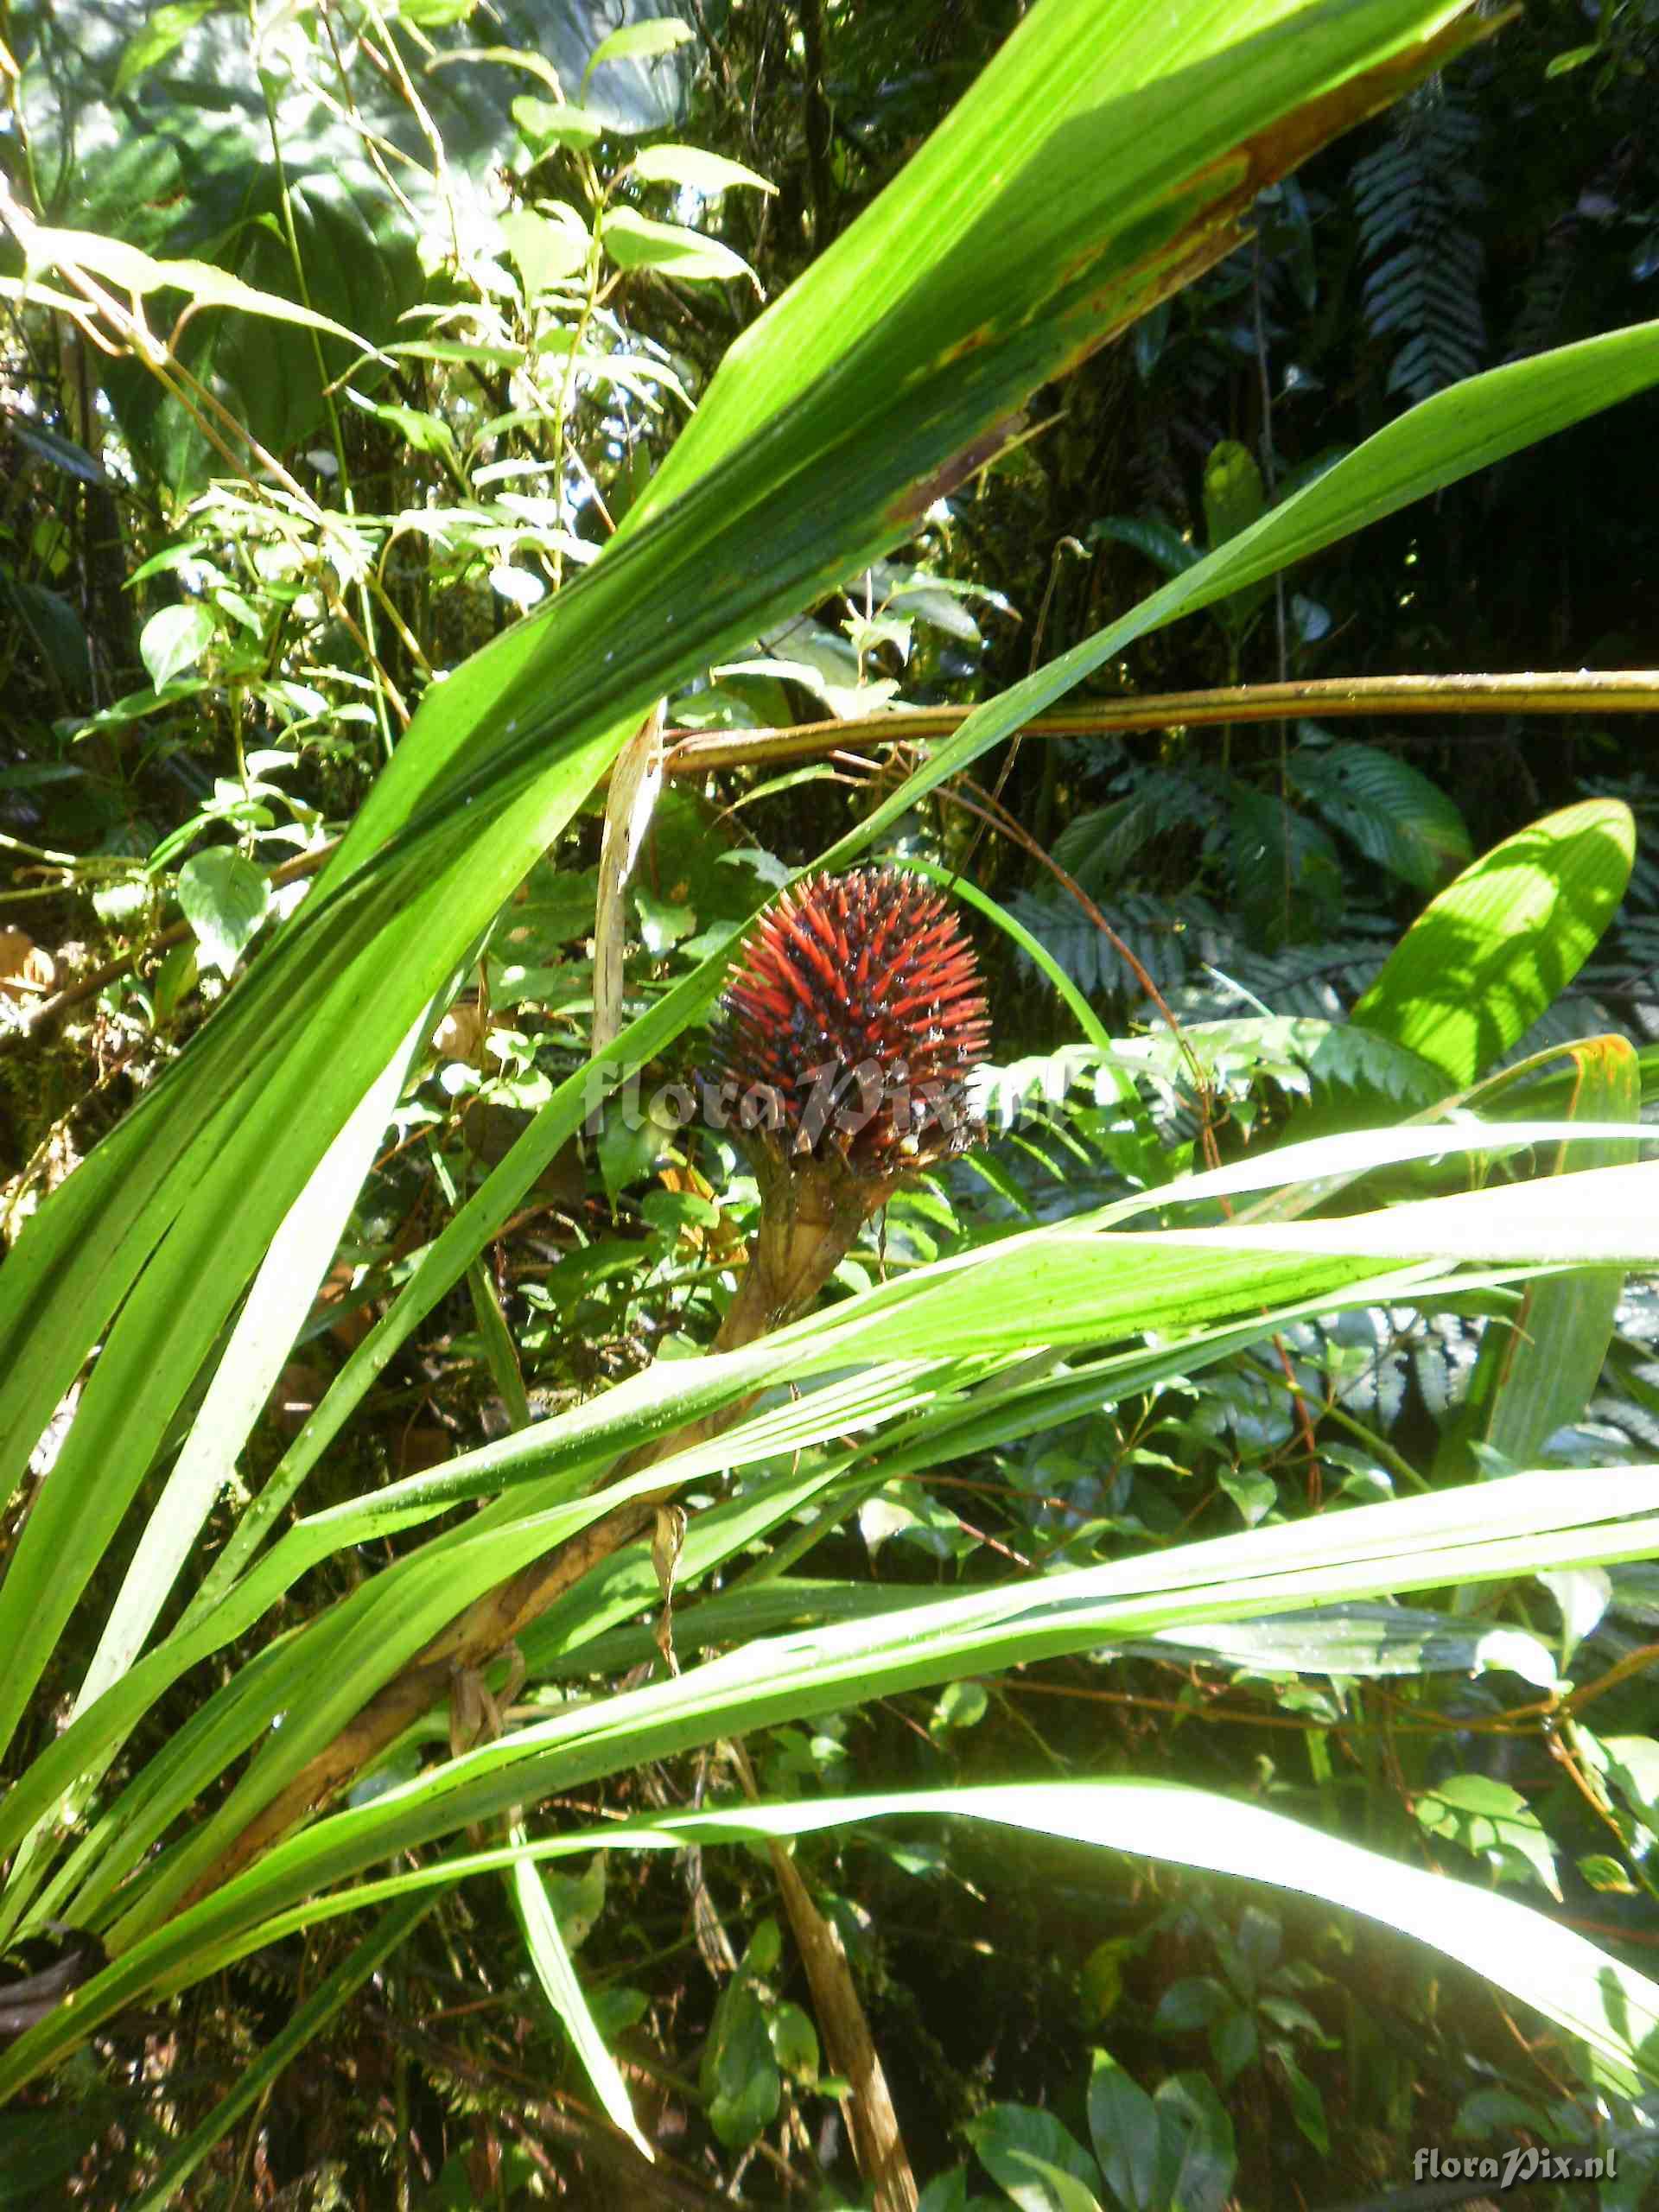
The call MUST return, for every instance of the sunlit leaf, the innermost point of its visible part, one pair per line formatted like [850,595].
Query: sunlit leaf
[225,898]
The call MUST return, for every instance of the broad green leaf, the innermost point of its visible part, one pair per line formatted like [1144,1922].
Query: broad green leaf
[1582,1595]
[1161,543]
[1195,2002]
[1306,2103]
[24,293]
[1492,1822]
[636,241]
[41,2147]
[1605,1874]
[638,41]
[948,2192]
[422,430]
[129,270]
[963,1704]
[1233,498]
[555,123]
[548,243]
[174,980]
[1633,1765]
[434,15]
[1051,2188]
[740,2084]
[1536,1372]
[708,173]
[1572,57]
[1196,2159]
[165,29]
[794,2041]
[174,640]
[1485,959]
[1234,494]
[1124,2129]
[59,636]
[1023,2148]
[225,899]
[459,350]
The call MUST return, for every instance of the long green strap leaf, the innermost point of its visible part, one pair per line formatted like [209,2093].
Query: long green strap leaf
[1609,2008]
[1482,1532]
[1097,1284]
[1097,205]
[1479,1532]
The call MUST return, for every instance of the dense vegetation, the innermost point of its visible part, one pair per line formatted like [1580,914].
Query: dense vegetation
[1139,1693]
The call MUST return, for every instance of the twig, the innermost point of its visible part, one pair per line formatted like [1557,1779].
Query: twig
[658,2184]
[873,2125]
[1634,691]
[86,985]
[695,753]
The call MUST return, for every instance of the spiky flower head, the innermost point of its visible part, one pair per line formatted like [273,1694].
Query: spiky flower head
[849,1033]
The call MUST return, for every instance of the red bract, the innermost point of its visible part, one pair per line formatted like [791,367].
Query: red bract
[852,1024]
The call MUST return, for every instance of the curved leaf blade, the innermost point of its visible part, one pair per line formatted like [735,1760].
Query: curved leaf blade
[1483,960]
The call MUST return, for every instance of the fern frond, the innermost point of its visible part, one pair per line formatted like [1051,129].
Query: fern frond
[1000,1093]
[1296,1054]
[1315,982]
[1099,849]
[1169,937]
[1541,321]
[1414,196]
[1390,809]
[1368,1357]
[1286,873]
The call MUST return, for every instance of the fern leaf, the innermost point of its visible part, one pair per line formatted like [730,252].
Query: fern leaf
[1414,196]
[1390,811]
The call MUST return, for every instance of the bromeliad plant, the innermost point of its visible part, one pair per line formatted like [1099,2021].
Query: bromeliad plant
[1100,161]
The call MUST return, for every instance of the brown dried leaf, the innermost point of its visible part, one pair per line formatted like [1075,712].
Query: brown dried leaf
[28,971]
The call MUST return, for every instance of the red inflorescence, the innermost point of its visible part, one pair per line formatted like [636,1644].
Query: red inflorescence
[854,1023]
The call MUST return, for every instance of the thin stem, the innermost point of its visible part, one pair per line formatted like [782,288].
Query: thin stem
[1573,692]
[1010,828]
[290,233]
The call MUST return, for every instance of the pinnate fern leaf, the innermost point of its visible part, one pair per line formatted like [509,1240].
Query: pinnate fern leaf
[1414,196]
[1390,811]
